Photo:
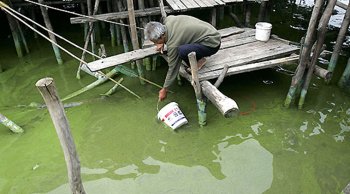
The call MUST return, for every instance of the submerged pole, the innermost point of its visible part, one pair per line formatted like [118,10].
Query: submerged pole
[52,36]
[305,53]
[49,93]
[201,102]
[340,39]
[134,39]
[322,29]
[10,124]
[344,81]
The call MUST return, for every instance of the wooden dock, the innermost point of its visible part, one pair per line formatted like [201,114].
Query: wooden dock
[239,50]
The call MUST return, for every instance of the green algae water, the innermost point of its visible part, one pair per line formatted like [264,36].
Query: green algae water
[123,149]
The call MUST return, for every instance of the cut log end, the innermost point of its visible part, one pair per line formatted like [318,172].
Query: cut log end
[231,113]
[44,82]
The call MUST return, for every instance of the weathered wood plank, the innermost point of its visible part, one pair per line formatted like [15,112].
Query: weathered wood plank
[201,3]
[122,58]
[190,4]
[207,4]
[230,31]
[181,5]
[250,67]
[173,5]
[120,15]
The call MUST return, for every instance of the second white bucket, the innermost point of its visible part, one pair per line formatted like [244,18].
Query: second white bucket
[263,31]
[172,116]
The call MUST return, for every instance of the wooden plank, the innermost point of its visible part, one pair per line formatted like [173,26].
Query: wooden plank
[247,52]
[250,67]
[181,5]
[247,55]
[190,4]
[212,2]
[219,2]
[201,3]
[122,58]
[207,4]
[173,5]
[120,15]
[230,31]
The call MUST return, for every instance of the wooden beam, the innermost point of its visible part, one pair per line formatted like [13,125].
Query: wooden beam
[49,93]
[121,15]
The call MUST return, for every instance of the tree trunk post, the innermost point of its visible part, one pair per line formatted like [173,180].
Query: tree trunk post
[344,81]
[340,39]
[248,13]
[111,26]
[322,29]
[52,36]
[91,26]
[15,35]
[305,53]
[213,17]
[48,91]
[119,7]
[33,16]
[10,124]
[134,39]
[201,102]
[262,11]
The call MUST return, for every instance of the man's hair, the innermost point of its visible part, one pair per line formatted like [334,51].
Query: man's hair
[154,30]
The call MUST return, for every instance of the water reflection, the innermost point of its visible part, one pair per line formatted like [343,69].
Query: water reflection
[247,168]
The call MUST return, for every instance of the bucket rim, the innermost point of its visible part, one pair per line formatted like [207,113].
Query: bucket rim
[263,25]
[165,107]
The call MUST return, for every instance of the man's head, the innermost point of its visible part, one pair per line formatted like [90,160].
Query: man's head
[155,32]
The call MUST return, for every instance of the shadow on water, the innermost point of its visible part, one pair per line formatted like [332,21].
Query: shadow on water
[123,149]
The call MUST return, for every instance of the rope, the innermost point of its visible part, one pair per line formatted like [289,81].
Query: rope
[59,46]
[81,15]
[7,7]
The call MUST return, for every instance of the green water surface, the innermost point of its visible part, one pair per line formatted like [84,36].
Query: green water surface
[123,149]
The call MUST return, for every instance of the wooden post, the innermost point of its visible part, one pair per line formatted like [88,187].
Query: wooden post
[201,102]
[33,16]
[262,11]
[23,38]
[345,78]
[83,11]
[111,26]
[54,105]
[346,190]
[91,26]
[134,39]
[213,17]
[86,44]
[10,124]
[52,36]
[340,39]
[221,76]
[15,35]
[162,10]
[247,13]
[119,7]
[143,22]
[221,10]
[322,29]
[305,52]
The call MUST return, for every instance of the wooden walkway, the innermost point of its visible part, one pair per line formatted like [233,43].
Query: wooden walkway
[239,50]
[183,5]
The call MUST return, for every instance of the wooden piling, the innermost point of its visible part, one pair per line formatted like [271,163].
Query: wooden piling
[305,53]
[23,38]
[10,124]
[33,16]
[322,29]
[344,81]
[201,102]
[213,17]
[134,39]
[340,39]
[248,13]
[15,35]
[91,26]
[83,11]
[52,36]
[86,44]
[119,7]
[111,26]
[262,11]
[54,105]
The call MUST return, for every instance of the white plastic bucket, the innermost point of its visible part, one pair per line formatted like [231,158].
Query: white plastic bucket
[263,31]
[172,116]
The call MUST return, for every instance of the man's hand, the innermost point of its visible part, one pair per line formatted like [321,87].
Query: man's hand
[162,94]
[160,48]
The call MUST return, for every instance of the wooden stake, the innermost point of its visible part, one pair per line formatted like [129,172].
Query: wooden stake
[305,52]
[52,36]
[10,124]
[221,76]
[213,17]
[322,29]
[91,26]
[48,91]
[201,102]
[344,81]
[119,7]
[340,39]
[15,35]
[262,11]
[248,13]
[134,39]
[33,16]
[111,26]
